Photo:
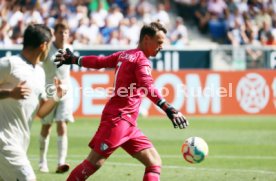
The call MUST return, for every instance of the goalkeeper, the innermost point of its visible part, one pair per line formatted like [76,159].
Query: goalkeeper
[118,127]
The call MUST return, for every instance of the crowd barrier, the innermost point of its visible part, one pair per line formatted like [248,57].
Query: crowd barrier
[171,59]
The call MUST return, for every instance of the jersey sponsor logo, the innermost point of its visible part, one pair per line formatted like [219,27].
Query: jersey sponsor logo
[252,93]
[104,146]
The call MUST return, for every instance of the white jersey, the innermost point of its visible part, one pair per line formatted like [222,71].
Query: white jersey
[64,109]
[17,115]
[51,70]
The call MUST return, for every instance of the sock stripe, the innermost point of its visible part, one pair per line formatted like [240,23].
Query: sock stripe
[152,172]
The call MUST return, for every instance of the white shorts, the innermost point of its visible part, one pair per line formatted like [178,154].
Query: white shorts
[15,165]
[62,112]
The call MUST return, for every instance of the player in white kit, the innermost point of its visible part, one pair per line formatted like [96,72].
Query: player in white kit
[63,112]
[22,96]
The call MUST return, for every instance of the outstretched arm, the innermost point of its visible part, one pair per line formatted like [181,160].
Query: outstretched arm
[92,61]
[145,80]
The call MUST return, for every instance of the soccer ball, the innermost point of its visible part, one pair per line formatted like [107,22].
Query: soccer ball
[194,150]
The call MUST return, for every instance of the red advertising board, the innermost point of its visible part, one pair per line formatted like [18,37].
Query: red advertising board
[192,92]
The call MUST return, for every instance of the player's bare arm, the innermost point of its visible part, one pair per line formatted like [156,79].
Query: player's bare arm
[47,105]
[20,91]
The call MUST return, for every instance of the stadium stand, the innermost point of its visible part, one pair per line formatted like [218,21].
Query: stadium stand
[191,23]
[117,22]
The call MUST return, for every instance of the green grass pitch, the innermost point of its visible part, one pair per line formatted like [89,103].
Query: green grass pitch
[240,149]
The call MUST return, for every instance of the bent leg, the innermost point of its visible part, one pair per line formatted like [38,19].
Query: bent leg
[152,161]
[89,166]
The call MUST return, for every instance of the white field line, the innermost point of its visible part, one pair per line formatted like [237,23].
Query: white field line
[179,156]
[51,158]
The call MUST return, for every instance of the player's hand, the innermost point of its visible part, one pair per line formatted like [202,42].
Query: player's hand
[178,120]
[58,91]
[61,90]
[65,57]
[21,91]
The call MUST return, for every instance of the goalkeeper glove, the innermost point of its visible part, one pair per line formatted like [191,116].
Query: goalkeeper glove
[178,120]
[66,57]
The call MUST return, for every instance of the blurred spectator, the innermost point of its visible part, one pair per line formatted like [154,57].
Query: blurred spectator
[242,6]
[263,16]
[83,27]
[202,16]
[5,28]
[231,6]
[80,40]
[106,30]
[32,16]
[186,8]
[271,40]
[217,23]
[99,14]
[217,8]
[114,38]
[45,6]
[4,40]
[95,5]
[122,4]
[143,7]
[179,34]
[131,12]
[254,55]
[263,32]
[81,12]
[114,16]
[133,31]
[14,15]
[249,29]
[232,17]
[93,32]
[234,34]
[17,33]
[161,15]
[117,39]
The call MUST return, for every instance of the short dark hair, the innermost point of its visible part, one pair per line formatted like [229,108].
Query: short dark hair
[61,25]
[35,35]
[151,30]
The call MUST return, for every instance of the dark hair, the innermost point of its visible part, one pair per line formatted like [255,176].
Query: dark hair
[151,30]
[61,25]
[35,35]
